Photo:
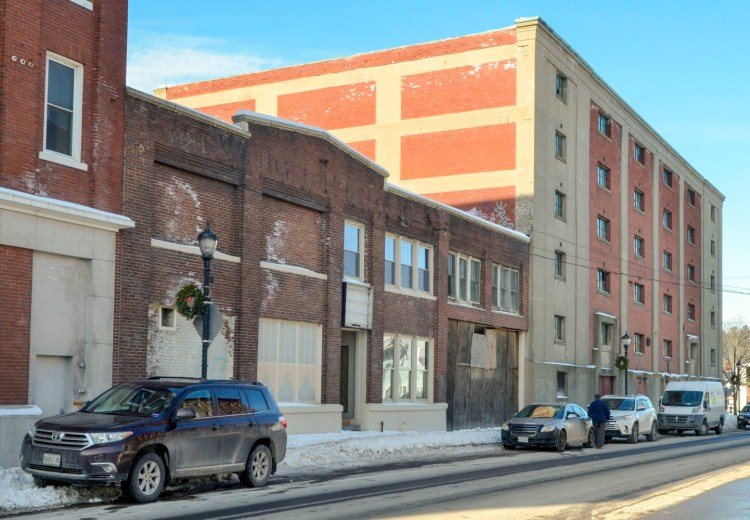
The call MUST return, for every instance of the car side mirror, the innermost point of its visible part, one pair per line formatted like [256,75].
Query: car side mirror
[184,413]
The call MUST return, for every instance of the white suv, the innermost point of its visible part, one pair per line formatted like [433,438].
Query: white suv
[631,415]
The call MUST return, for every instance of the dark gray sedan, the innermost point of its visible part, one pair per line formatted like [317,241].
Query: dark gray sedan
[556,425]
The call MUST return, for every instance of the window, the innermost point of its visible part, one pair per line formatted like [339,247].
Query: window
[84,3]
[667,301]
[559,145]
[666,219]
[289,359]
[560,205]
[713,283]
[407,365]
[63,116]
[691,197]
[604,124]
[639,294]
[714,213]
[166,318]
[606,331]
[602,228]
[667,261]
[667,348]
[691,273]
[559,329]
[638,343]
[602,281]
[559,264]
[561,87]
[667,177]
[505,288]
[230,402]
[562,385]
[639,200]
[639,153]
[639,246]
[407,264]
[691,235]
[691,312]
[713,357]
[353,238]
[713,248]
[463,278]
[602,176]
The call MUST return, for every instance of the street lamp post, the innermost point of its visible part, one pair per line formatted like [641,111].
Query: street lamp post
[207,243]
[737,382]
[625,344]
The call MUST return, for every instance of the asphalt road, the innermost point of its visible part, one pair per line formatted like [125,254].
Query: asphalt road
[619,482]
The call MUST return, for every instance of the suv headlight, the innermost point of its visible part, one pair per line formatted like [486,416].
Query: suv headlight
[32,431]
[624,417]
[548,428]
[505,427]
[104,438]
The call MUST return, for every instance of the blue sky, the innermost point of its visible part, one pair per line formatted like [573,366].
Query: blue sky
[683,66]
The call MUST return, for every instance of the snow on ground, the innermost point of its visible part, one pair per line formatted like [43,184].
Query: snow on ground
[306,455]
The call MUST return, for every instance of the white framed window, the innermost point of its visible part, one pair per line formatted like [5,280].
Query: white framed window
[561,87]
[638,343]
[691,235]
[667,348]
[639,246]
[602,228]
[354,237]
[290,358]
[691,273]
[667,261]
[559,145]
[559,329]
[63,114]
[604,124]
[639,153]
[505,288]
[559,264]
[464,275]
[407,368]
[639,200]
[667,304]
[602,281]
[691,312]
[408,264]
[639,294]
[167,318]
[666,219]
[602,176]
[560,205]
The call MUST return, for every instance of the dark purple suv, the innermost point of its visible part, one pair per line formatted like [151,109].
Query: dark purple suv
[144,434]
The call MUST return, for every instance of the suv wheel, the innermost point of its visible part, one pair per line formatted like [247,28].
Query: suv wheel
[258,467]
[146,480]
[651,436]
[634,433]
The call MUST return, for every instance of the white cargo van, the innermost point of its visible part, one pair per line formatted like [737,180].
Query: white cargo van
[692,405]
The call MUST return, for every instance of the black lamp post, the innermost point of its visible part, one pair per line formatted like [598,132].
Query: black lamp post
[207,243]
[737,389]
[625,344]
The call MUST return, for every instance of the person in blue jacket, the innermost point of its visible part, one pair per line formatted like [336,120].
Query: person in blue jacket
[599,413]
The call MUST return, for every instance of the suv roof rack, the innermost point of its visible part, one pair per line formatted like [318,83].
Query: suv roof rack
[176,377]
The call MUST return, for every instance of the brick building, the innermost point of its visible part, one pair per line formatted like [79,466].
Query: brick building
[62,117]
[334,285]
[513,125]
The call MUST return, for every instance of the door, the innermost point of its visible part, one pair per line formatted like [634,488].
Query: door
[197,441]
[346,381]
[51,384]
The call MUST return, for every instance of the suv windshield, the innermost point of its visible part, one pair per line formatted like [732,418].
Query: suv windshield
[682,398]
[131,399]
[616,403]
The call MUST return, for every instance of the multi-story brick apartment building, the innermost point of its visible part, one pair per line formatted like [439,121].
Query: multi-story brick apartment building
[62,117]
[515,126]
[355,300]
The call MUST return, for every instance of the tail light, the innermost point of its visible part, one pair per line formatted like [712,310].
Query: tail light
[282,420]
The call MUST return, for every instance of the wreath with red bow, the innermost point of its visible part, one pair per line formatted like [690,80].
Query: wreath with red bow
[190,301]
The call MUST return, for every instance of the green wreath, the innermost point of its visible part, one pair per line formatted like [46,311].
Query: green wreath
[621,363]
[190,301]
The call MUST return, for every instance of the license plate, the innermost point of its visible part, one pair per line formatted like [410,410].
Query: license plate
[524,440]
[51,459]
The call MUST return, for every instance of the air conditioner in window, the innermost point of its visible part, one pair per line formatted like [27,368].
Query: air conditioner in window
[357,305]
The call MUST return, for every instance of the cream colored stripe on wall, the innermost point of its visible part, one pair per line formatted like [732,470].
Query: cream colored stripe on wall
[451,183]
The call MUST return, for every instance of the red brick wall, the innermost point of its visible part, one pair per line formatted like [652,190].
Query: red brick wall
[453,152]
[15,327]
[331,107]
[692,256]
[462,89]
[669,240]
[227,110]
[97,40]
